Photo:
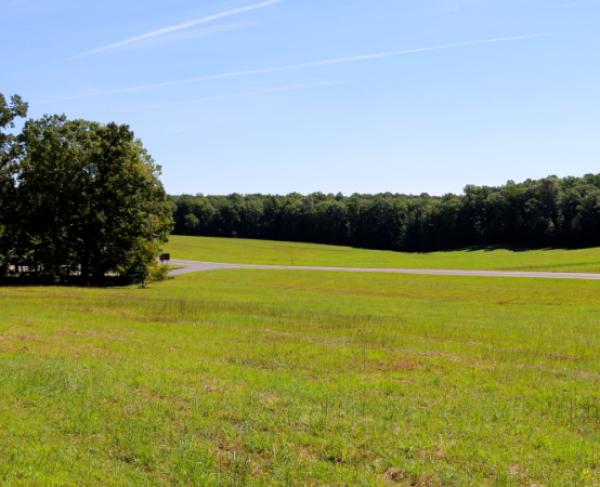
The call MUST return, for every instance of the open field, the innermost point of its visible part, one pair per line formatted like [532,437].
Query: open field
[291,253]
[246,377]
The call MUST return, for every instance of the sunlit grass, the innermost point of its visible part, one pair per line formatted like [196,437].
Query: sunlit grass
[290,253]
[298,378]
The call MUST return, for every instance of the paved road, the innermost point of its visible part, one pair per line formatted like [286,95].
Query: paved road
[189,266]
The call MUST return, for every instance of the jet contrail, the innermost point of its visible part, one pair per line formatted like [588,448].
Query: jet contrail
[177,27]
[314,64]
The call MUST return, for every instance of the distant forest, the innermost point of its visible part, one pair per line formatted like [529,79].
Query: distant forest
[549,212]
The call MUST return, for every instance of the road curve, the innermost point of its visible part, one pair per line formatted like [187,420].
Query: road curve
[190,266]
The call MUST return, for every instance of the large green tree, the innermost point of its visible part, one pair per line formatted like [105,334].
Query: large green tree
[10,110]
[91,201]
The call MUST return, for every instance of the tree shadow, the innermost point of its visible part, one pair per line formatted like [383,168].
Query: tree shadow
[515,248]
[73,281]
[483,248]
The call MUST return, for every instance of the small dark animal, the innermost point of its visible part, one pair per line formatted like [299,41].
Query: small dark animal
[164,258]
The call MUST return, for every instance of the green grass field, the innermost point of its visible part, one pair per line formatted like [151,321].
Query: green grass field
[242,251]
[247,377]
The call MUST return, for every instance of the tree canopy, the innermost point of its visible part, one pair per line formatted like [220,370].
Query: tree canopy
[536,213]
[86,200]
[9,112]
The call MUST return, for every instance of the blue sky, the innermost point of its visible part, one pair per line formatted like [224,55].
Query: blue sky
[332,95]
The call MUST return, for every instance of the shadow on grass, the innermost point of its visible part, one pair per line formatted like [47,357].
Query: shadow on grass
[510,248]
[73,281]
[491,248]
[473,248]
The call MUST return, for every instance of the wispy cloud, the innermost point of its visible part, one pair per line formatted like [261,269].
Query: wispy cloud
[314,64]
[196,33]
[177,27]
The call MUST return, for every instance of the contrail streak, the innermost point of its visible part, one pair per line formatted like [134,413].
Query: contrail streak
[177,27]
[314,64]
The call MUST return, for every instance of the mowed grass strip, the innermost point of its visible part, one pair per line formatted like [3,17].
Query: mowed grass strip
[241,251]
[298,378]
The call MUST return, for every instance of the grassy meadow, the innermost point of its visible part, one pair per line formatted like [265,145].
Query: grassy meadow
[241,251]
[245,377]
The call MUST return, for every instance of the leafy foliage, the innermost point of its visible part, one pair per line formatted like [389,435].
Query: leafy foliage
[88,201]
[536,213]
[9,112]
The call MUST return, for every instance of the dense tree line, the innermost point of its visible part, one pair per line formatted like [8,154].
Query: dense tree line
[536,213]
[77,198]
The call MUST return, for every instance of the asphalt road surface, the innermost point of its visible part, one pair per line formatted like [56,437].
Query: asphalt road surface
[190,266]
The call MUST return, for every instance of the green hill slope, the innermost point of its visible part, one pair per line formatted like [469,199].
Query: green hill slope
[241,251]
